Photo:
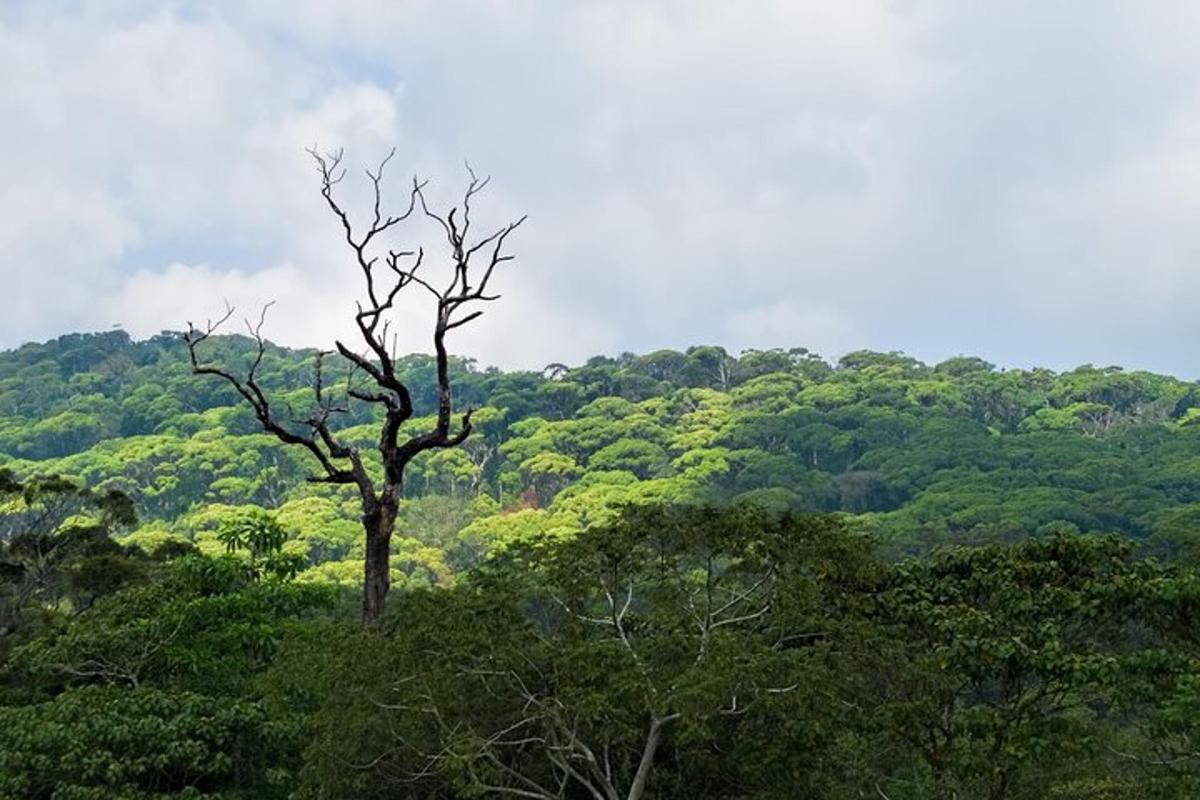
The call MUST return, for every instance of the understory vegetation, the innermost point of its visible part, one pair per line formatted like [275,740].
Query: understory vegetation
[679,574]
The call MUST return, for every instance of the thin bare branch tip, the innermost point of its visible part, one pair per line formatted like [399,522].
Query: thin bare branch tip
[476,182]
[377,175]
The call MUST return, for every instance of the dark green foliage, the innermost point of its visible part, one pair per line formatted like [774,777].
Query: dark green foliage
[57,554]
[148,693]
[995,654]
[695,623]
[776,658]
[692,651]
[101,743]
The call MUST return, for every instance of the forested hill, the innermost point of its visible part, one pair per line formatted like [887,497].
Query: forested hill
[595,595]
[916,454]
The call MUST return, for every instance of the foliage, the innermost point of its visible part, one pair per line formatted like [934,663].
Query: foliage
[149,692]
[996,596]
[102,743]
[57,555]
[919,455]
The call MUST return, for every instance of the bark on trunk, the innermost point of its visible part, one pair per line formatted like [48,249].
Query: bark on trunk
[941,786]
[642,776]
[376,566]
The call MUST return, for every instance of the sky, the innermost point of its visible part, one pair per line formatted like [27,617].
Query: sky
[1014,180]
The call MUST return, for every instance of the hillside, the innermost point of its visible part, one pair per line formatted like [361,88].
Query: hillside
[911,453]
[602,593]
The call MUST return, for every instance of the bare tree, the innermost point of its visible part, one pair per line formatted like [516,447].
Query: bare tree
[386,273]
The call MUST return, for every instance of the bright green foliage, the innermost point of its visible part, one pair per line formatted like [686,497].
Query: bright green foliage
[918,455]
[262,537]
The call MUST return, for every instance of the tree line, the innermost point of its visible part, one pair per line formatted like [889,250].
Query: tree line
[916,455]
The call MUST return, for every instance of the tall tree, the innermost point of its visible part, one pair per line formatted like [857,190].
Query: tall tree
[609,666]
[385,273]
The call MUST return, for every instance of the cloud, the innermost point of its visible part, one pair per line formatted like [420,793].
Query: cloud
[1012,179]
[765,327]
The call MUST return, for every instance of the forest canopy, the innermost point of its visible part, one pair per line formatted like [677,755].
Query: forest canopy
[679,574]
[913,454]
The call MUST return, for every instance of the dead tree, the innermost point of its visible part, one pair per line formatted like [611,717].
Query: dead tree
[386,273]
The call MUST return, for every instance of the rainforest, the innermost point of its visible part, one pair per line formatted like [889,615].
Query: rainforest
[657,400]
[663,575]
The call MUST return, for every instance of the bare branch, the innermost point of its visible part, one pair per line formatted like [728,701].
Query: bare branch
[386,272]
[253,394]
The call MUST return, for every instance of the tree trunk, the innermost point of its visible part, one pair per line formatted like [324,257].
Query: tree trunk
[942,789]
[649,751]
[378,525]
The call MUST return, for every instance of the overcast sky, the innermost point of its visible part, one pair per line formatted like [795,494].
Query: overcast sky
[1014,180]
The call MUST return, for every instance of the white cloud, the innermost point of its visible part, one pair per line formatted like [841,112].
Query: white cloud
[1005,178]
[823,330]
